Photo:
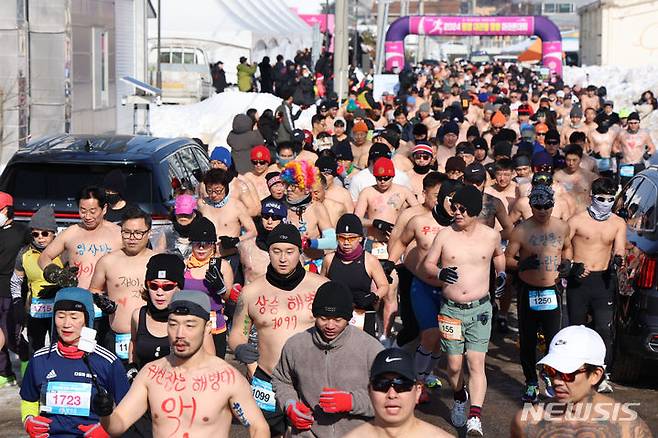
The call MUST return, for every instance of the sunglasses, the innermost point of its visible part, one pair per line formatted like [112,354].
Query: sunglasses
[348,239]
[398,384]
[454,208]
[600,198]
[167,286]
[547,206]
[274,217]
[383,178]
[45,233]
[552,143]
[540,133]
[260,162]
[422,156]
[565,377]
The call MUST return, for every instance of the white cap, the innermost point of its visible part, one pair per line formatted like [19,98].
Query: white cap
[574,346]
[560,93]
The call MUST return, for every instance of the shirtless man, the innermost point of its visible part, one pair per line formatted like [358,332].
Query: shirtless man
[319,194]
[190,392]
[634,146]
[590,100]
[360,144]
[601,141]
[544,249]
[328,167]
[589,125]
[394,394]
[575,124]
[599,241]
[493,210]
[87,241]
[422,156]
[260,159]
[279,305]
[415,238]
[447,147]
[573,178]
[504,188]
[228,214]
[575,364]
[310,217]
[120,275]
[466,312]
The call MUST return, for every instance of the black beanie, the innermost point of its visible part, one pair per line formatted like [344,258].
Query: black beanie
[285,233]
[115,181]
[471,198]
[349,223]
[166,267]
[202,230]
[333,299]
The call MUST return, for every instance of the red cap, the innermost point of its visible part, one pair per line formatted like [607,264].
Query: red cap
[6,200]
[308,136]
[260,153]
[383,167]
[360,127]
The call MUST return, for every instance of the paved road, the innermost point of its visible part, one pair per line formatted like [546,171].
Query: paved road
[505,385]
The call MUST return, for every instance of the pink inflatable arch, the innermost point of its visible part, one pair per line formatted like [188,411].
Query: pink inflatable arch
[474,26]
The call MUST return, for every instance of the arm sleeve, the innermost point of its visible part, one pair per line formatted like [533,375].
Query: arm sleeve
[29,409]
[327,241]
[19,260]
[282,380]
[15,285]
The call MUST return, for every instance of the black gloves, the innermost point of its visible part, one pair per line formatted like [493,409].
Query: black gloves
[104,303]
[49,292]
[247,353]
[388,267]
[448,275]
[529,263]
[103,403]
[567,268]
[214,279]
[18,311]
[365,300]
[383,226]
[63,277]
[646,155]
[577,269]
[132,372]
[501,278]
[228,242]
[617,262]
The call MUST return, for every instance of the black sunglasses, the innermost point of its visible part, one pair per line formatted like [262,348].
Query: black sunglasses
[553,143]
[422,156]
[547,206]
[454,208]
[274,217]
[44,233]
[383,178]
[398,384]
[600,198]
[540,133]
[259,162]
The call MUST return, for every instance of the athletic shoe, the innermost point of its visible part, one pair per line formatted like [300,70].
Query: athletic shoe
[458,412]
[605,387]
[433,382]
[549,391]
[530,394]
[474,427]
[7,381]
[424,396]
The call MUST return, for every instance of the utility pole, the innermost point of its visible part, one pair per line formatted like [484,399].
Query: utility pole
[382,20]
[341,53]
[420,52]
[158,74]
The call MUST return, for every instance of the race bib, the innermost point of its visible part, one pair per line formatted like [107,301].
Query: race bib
[98,313]
[450,328]
[121,342]
[263,394]
[358,318]
[627,170]
[543,300]
[41,307]
[68,398]
[603,164]
[380,251]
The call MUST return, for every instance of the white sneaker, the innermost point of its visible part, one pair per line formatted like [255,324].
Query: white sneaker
[474,427]
[605,387]
[458,412]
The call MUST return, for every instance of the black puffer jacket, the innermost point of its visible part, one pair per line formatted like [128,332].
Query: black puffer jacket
[241,139]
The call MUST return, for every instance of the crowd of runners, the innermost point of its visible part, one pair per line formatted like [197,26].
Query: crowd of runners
[339,265]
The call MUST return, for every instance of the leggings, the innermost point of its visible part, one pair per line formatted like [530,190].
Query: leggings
[37,328]
[594,294]
[220,344]
[530,321]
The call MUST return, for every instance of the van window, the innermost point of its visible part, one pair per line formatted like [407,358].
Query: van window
[642,207]
[177,57]
[165,57]
[188,58]
[623,200]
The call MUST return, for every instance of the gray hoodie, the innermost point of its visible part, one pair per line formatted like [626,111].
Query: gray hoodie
[241,139]
[308,364]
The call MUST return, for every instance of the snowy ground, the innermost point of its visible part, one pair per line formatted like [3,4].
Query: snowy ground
[211,119]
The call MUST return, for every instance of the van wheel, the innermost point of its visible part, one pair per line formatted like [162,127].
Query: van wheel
[626,368]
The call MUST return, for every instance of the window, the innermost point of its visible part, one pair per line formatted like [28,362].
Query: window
[565,8]
[177,57]
[549,8]
[188,58]
[165,57]
[642,207]
[623,200]
[100,68]
[191,166]
[557,8]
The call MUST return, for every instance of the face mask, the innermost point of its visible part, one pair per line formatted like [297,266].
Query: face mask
[600,210]
[282,161]
[113,198]
[3,219]
[421,170]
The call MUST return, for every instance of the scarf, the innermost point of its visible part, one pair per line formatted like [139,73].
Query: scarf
[422,170]
[600,211]
[160,315]
[351,256]
[285,282]
[218,204]
[298,206]
[69,351]
[194,262]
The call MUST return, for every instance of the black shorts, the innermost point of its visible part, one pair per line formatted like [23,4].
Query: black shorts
[275,419]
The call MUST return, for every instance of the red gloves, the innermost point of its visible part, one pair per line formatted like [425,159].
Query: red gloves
[235,292]
[37,427]
[306,243]
[299,414]
[93,430]
[333,401]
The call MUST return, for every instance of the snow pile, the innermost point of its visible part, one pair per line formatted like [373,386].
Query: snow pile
[212,119]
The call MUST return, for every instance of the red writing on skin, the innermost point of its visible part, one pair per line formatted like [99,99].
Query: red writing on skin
[173,380]
[287,322]
[174,407]
[213,380]
[294,302]
[170,379]
[427,230]
[84,269]
[122,301]
[264,305]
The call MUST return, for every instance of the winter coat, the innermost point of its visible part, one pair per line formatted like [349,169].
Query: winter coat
[308,364]
[245,73]
[241,139]
[218,78]
[266,79]
[305,94]
[286,122]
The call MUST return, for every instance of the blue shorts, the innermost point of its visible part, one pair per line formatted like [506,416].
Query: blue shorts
[426,302]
